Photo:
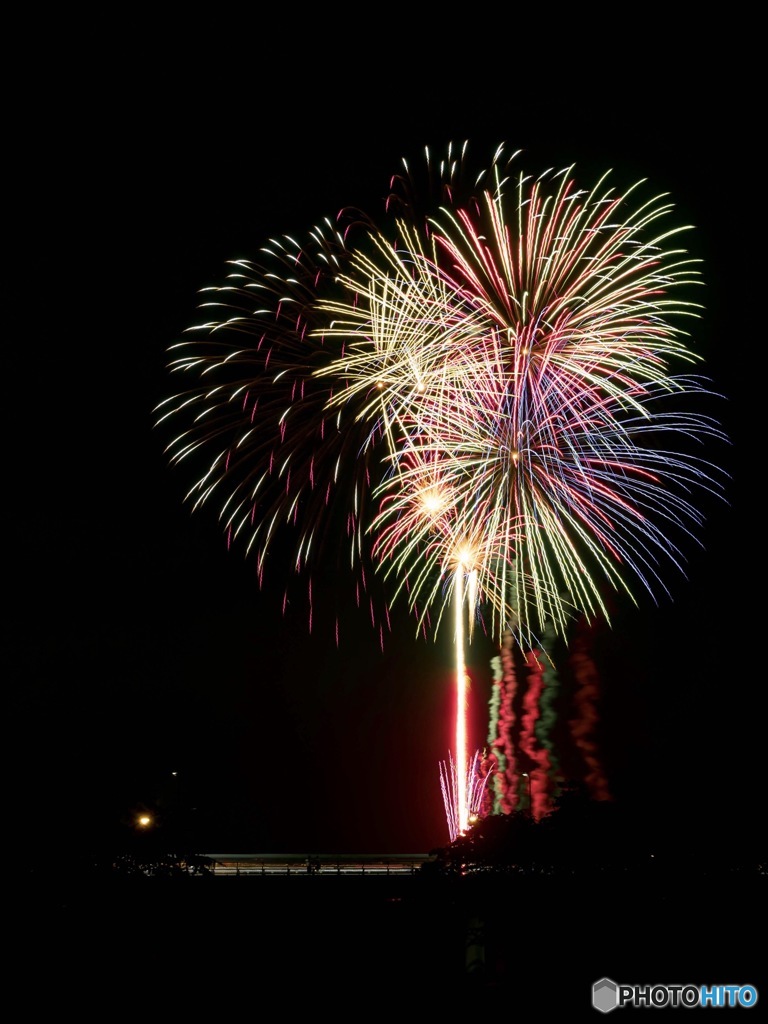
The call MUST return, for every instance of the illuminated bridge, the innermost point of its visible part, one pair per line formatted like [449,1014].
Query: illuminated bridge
[313,865]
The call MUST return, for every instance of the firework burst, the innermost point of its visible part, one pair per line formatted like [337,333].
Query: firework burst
[490,389]
[516,358]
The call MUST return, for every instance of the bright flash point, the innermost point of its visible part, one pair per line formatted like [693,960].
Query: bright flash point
[464,556]
[433,500]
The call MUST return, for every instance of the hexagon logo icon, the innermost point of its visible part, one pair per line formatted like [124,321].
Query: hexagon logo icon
[604,995]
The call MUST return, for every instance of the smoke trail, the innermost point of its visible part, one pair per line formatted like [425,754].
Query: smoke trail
[545,724]
[494,762]
[537,796]
[583,721]
[507,719]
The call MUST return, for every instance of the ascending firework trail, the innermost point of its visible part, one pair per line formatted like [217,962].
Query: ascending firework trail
[489,386]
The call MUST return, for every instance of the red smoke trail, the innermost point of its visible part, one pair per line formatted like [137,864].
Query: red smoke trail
[585,717]
[505,739]
[539,770]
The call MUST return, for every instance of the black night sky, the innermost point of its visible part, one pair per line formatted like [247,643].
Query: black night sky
[140,647]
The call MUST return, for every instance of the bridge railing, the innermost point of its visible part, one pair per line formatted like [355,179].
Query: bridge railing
[313,866]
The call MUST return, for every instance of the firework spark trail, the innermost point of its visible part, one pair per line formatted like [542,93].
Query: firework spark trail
[487,384]
[473,781]
[257,432]
[463,781]
[462,814]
